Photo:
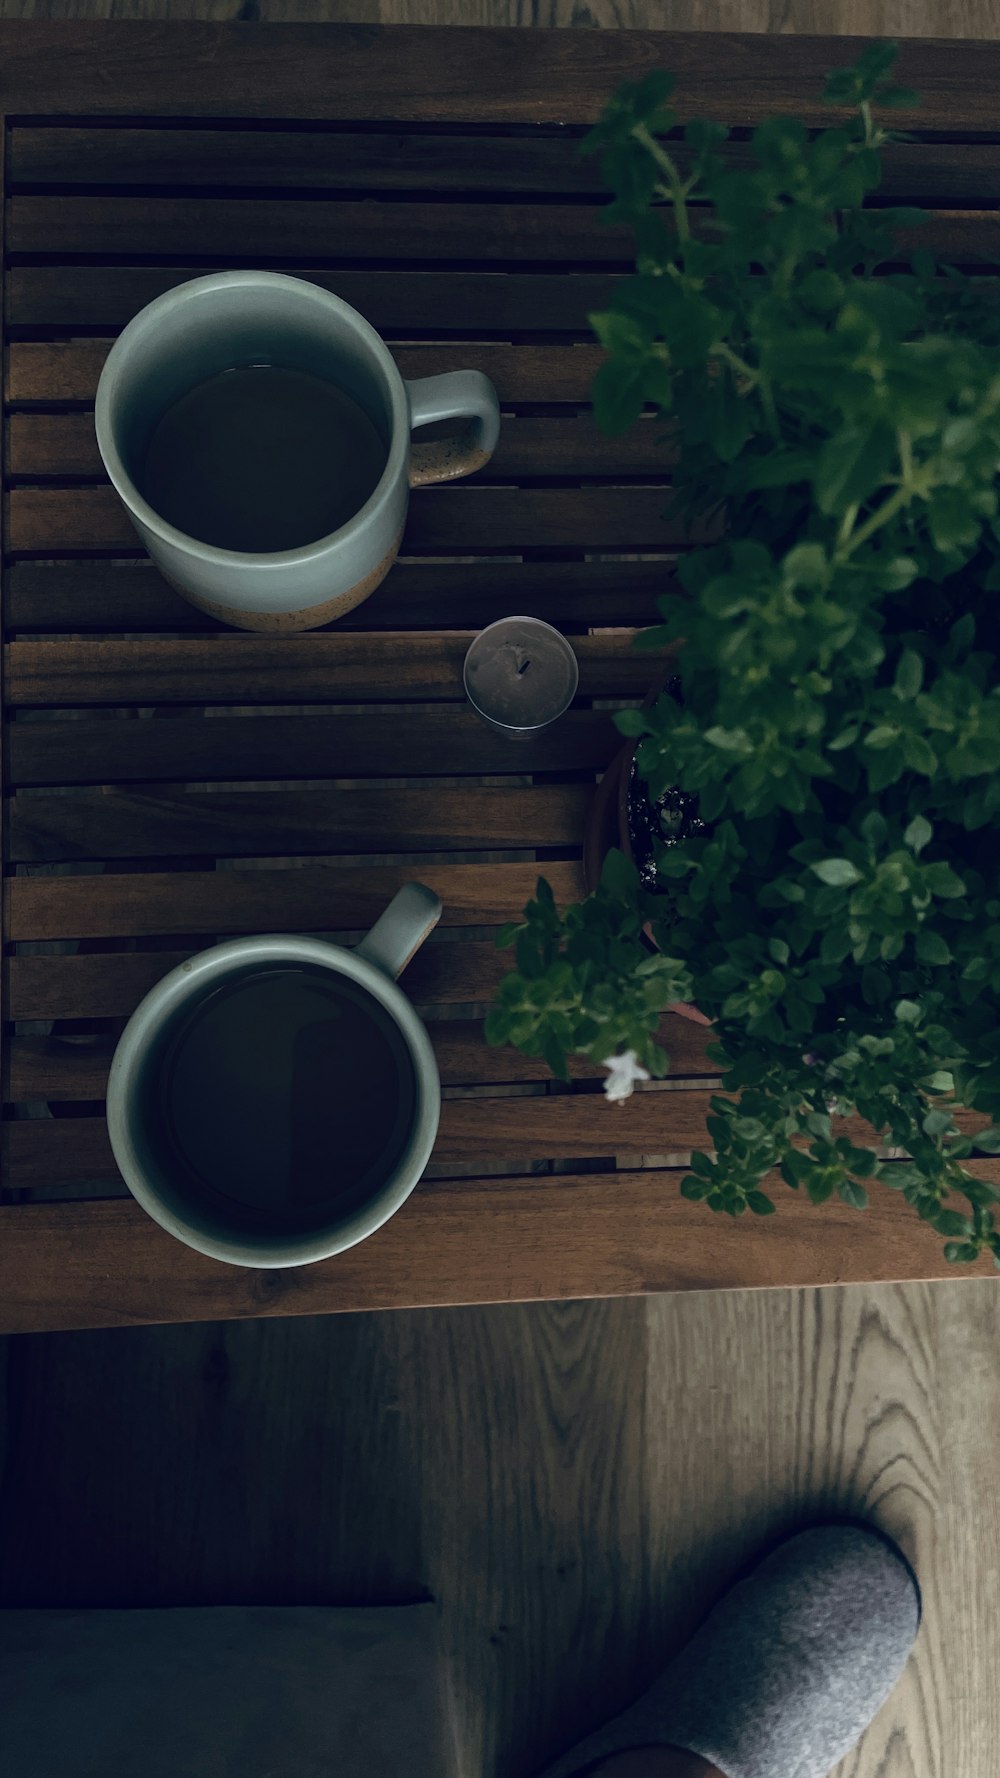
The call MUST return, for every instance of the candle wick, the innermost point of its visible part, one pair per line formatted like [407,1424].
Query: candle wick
[523,668]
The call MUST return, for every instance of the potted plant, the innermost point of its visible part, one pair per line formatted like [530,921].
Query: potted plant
[835,910]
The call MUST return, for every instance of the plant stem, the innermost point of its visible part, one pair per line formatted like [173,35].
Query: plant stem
[719,349]
[874,522]
[674,183]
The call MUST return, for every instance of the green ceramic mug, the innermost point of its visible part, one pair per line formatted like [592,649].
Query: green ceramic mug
[201,328]
[212,1220]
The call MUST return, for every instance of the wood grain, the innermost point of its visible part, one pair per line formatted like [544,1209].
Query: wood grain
[283,822]
[66,445]
[403,304]
[68,1069]
[277,228]
[40,1153]
[471,234]
[317,898]
[501,76]
[417,595]
[434,740]
[103,1264]
[324,898]
[542,165]
[386,668]
[441,521]
[67,370]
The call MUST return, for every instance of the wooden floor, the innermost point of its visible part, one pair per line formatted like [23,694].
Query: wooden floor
[559,1477]
[568,1480]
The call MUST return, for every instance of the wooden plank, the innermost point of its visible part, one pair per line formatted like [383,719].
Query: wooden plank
[319,228]
[451,742]
[457,1241]
[67,1069]
[308,898]
[40,1153]
[404,303]
[457,519]
[289,822]
[343,668]
[393,160]
[84,595]
[67,370]
[110,985]
[315,160]
[285,229]
[65,444]
[499,75]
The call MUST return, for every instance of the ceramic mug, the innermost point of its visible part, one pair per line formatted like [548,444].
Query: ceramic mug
[135,1121]
[206,326]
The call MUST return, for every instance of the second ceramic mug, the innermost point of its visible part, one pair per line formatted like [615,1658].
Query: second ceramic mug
[210,324]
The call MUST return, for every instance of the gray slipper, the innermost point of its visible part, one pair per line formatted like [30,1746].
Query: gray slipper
[790,1668]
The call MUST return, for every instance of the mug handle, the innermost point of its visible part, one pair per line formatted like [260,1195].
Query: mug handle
[465,395]
[411,915]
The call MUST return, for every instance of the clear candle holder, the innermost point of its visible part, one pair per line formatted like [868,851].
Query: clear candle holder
[520,676]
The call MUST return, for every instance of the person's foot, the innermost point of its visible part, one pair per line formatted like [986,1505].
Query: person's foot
[787,1672]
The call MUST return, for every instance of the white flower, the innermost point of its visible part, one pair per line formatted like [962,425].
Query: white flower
[623,1072]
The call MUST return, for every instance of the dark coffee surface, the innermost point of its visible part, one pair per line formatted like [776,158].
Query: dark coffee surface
[287,1096]
[261,458]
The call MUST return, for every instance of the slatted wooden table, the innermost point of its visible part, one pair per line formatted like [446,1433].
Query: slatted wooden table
[169,783]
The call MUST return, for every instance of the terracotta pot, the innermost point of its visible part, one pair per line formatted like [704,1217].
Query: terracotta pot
[608,826]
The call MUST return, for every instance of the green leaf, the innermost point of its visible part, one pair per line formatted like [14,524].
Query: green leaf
[846,738]
[839,873]
[853,1194]
[881,737]
[942,881]
[918,834]
[988,1140]
[852,464]
[631,722]
[618,395]
[959,1253]
[619,876]
[695,1189]
[819,1185]
[760,1203]
[931,948]
[909,674]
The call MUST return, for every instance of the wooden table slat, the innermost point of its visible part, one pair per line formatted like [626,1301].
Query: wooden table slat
[68,1069]
[402,304]
[499,76]
[65,444]
[415,160]
[320,898]
[102,596]
[578,1235]
[67,370]
[449,741]
[457,519]
[387,667]
[288,821]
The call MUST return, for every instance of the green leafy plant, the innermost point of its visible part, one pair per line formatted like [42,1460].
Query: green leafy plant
[838,919]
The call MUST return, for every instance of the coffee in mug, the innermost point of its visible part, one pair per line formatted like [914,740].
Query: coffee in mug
[273,1100]
[259,435]
[262,457]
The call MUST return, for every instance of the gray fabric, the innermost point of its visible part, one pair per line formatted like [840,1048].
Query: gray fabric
[788,1671]
[223,1692]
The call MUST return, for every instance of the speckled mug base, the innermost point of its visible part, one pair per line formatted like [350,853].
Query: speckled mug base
[310,617]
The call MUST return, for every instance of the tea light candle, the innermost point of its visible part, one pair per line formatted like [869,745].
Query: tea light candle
[520,675]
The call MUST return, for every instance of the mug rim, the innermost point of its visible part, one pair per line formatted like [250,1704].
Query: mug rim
[185,983]
[136,330]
